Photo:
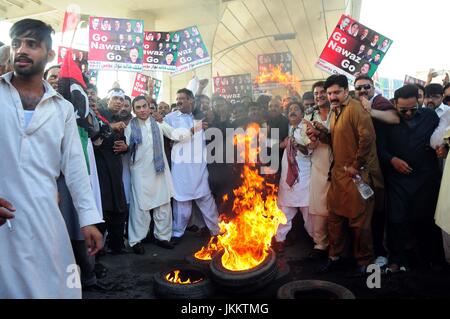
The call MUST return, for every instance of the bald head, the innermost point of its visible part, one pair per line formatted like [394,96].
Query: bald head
[274,107]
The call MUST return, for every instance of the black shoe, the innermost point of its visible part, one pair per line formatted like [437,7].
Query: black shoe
[203,232]
[138,249]
[175,240]
[164,244]
[317,254]
[97,287]
[331,266]
[193,228]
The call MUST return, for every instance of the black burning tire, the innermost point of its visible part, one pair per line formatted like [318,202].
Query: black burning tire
[167,290]
[202,264]
[241,282]
[313,289]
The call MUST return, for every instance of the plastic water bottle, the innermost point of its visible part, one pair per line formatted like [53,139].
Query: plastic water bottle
[364,189]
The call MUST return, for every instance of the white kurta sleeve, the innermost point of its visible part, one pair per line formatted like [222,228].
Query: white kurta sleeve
[175,134]
[127,133]
[74,168]
[437,139]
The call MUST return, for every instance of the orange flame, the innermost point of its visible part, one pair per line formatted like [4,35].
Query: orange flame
[246,237]
[208,252]
[174,277]
[275,75]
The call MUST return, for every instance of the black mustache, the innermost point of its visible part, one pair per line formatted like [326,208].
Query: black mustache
[334,101]
[23,58]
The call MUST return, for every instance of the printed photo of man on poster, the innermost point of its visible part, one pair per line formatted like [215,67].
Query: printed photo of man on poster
[356,51]
[116,45]
[192,52]
[160,52]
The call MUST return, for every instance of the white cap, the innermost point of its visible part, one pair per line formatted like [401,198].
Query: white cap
[116,93]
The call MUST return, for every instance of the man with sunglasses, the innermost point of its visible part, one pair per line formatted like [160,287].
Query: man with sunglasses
[434,97]
[379,107]
[412,184]
[383,113]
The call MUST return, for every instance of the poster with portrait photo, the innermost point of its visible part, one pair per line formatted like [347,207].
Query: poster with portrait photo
[233,87]
[353,49]
[140,86]
[192,51]
[79,56]
[412,80]
[75,30]
[115,44]
[161,51]
[267,63]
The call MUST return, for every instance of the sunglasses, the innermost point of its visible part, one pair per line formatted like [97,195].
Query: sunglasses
[365,87]
[406,110]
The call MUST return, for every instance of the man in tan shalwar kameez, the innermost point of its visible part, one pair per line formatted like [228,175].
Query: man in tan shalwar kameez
[352,138]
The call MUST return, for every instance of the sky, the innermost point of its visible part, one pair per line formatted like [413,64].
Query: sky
[418,29]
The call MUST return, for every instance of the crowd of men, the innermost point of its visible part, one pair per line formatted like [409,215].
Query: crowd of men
[357,166]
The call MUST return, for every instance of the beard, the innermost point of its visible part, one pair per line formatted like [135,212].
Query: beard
[35,67]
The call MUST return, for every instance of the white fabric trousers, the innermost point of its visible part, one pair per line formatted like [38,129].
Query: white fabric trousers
[139,222]
[182,211]
[315,226]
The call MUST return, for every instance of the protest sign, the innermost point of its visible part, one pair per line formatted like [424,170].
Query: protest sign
[140,86]
[115,44]
[75,30]
[156,88]
[79,56]
[192,52]
[353,50]
[234,87]
[412,80]
[161,51]
[267,62]
[272,68]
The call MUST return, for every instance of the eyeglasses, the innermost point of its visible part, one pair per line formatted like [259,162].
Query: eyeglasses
[406,110]
[365,87]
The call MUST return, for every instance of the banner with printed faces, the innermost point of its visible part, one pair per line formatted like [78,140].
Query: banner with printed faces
[79,56]
[233,87]
[116,44]
[412,80]
[353,49]
[140,86]
[271,67]
[192,52]
[75,30]
[161,51]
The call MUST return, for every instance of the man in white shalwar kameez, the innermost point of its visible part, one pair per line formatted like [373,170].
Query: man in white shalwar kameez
[440,142]
[293,194]
[39,139]
[150,189]
[189,172]
[321,159]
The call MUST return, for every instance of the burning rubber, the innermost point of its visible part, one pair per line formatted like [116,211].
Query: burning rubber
[183,282]
[246,281]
